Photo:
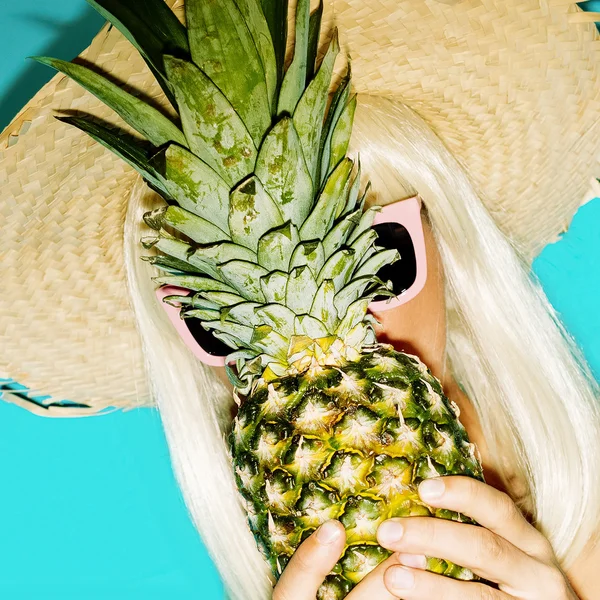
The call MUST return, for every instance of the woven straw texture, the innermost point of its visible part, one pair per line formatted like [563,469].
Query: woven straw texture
[511,87]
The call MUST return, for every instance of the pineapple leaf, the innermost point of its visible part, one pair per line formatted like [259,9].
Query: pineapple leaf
[354,315]
[282,170]
[338,267]
[222,46]
[244,313]
[215,132]
[222,299]
[376,262]
[216,254]
[339,100]
[320,219]
[123,145]
[276,15]
[279,317]
[259,29]
[294,80]
[153,37]
[362,244]
[339,233]
[275,247]
[193,301]
[194,283]
[198,229]
[310,112]
[323,305]
[310,254]
[268,340]
[243,333]
[352,204]
[314,31]
[252,212]
[340,138]
[194,185]
[352,292]
[245,277]
[204,314]
[274,286]
[139,115]
[366,220]
[307,325]
[171,265]
[301,289]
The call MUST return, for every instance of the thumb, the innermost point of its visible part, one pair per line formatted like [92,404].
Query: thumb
[311,563]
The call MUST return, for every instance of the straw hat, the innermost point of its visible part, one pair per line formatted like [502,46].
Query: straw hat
[511,87]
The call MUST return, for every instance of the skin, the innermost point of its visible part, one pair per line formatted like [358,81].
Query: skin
[506,550]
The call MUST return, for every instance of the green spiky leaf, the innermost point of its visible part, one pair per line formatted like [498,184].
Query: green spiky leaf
[310,112]
[145,119]
[338,267]
[252,212]
[198,229]
[307,325]
[319,221]
[294,80]
[279,317]
[214,130]
[245,277]
[340,232]
[310,254]
[275,247]
[300,291]
[194,185]
[323,307]
[340,138]
[152,28]
[314,31]
[274,286]
[276,15]
[376,262]
[194,283]
[282,170]
[123,145]
[244,313]
[259,29]
[222,46]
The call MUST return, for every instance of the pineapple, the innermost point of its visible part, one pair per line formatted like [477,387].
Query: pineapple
[264,222]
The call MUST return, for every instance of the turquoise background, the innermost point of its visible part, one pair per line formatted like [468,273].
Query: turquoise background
[89,508]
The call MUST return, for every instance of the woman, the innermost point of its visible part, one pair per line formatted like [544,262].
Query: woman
[482,325]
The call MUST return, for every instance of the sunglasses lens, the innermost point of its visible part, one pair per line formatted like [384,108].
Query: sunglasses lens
[402,273]
[209,343]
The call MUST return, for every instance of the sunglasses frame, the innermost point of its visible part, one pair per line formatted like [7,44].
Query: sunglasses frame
[404,212]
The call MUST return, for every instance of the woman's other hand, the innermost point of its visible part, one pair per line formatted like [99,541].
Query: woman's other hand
[313,561]
[505,549]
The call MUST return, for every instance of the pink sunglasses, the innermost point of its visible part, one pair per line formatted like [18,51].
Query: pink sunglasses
[398,226]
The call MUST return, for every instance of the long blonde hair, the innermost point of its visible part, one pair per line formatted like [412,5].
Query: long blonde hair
[534,395]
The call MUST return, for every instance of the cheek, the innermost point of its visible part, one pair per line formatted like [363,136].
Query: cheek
[419,326]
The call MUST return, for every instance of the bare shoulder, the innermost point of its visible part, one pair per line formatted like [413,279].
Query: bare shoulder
[584,573]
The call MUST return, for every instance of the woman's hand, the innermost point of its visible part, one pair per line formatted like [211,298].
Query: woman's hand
[506,549]
[313,561]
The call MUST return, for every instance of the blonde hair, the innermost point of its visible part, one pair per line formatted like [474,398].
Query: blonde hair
[534,394]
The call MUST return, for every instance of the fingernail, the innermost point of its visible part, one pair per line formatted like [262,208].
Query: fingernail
[328,532]
[431,489]
[401,578]
[390,532]
[417,561]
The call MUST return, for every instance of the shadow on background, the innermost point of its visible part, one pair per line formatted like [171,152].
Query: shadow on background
[66,36]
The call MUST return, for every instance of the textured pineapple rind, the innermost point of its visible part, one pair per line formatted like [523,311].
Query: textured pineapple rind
[350,443]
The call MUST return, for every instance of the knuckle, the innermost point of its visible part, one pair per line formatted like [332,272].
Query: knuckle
[505,508]
[488,547]
[484,592]
[542,549]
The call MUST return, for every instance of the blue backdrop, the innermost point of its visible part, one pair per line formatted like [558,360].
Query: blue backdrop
[89,508]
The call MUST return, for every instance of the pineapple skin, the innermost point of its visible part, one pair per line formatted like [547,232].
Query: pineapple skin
[350,443]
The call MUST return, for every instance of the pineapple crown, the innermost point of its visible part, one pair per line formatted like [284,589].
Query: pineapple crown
[264,218]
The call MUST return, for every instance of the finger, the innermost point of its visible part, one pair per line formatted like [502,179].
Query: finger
[489,507]
[372,587]
[409,584]
[311,563]
[476,548]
